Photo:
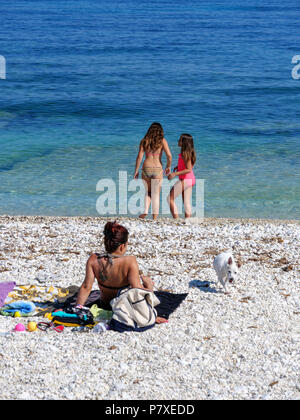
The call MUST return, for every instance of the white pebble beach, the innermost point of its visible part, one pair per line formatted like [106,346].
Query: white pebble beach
[244,345]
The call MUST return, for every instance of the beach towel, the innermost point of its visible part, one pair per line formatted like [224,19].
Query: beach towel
[45,298]
[94,298]
[50,298]
[169,301]
[24,308]
[5,288]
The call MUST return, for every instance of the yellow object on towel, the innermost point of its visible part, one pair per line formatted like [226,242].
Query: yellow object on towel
[36,293]
[70,324]
[100,314]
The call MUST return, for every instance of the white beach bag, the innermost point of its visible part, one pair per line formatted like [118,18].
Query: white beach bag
[133,310]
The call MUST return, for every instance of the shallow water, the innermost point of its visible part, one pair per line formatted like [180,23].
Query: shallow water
[85,79]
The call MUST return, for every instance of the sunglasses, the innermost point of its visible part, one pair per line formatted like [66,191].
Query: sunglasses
[44,326]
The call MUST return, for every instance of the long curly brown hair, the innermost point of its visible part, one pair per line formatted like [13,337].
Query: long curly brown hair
[153,139]
[187,148]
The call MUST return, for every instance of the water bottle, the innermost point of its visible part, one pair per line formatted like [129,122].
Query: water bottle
[100,328]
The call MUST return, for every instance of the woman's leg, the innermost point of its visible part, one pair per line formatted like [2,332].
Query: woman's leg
[147,200]
[155,196]
[176,190]
[187,200]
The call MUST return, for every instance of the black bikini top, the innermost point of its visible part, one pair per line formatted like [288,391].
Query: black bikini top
[109,258]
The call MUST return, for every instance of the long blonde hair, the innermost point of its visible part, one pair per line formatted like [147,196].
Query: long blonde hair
[153,139]
[187,148]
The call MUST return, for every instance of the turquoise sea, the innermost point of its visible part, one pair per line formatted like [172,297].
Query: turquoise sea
[85,79]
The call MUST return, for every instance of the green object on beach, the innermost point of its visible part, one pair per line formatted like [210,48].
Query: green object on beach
[100,314]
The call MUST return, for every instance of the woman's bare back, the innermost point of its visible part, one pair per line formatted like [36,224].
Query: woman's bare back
[111,276]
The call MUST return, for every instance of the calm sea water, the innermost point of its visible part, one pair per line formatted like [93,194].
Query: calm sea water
[85,78]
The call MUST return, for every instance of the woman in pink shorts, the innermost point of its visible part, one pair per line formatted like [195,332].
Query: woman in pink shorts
[184,170]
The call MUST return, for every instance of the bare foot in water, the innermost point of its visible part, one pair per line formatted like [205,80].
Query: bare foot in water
[142,216]
[161,320]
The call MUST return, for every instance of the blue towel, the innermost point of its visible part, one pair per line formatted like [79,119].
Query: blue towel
[120,327]
[20,306]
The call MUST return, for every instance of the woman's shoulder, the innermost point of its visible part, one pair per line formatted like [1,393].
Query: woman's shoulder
[165,145]
[129,262]
[93,257]
[92,261]
[131,259]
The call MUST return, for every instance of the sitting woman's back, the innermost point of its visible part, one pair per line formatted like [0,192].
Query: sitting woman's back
[112,269]
[111,272]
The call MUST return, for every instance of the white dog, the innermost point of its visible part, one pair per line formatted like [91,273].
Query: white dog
[226,268]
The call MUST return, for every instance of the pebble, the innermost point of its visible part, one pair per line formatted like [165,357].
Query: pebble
[214,346]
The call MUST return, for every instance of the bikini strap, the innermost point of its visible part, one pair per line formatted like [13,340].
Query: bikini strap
[108,257]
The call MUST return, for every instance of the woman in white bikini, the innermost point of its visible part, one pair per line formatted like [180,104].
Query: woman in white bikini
[153,145]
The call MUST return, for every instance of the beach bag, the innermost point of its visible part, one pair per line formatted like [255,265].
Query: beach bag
[73,317]
[133,310]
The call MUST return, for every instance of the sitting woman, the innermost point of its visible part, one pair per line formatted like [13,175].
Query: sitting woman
[113,269]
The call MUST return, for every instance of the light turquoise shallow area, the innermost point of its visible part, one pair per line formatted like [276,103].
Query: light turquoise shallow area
[85,79]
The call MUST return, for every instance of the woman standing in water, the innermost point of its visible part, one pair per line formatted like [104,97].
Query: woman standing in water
[184,170]
[153,145]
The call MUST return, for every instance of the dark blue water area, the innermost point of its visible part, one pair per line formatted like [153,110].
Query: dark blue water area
[85,79]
